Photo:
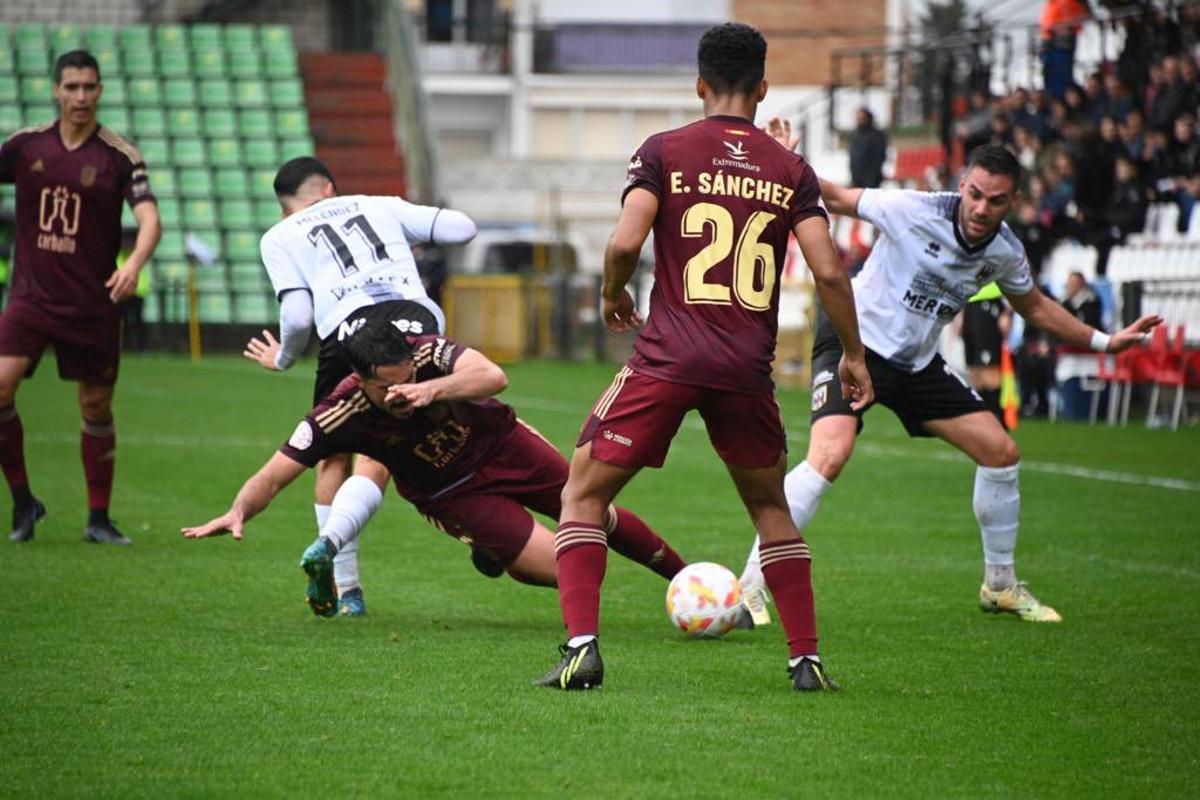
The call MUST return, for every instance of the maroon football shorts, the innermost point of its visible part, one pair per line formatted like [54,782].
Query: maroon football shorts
[489,509]
[633,423]
[88,348]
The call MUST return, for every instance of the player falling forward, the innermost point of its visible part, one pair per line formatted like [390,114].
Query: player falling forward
[72,176]
[721,197]
[329,257]
[423,408]
[935,250]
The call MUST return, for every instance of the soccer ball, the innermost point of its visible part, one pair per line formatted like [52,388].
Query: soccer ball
[704,600]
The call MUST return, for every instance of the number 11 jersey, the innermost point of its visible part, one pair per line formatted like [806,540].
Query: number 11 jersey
[728,197]
[350,252]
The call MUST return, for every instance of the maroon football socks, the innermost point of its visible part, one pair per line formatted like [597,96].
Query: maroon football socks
[630,536]
[582,554]
[98,446]
[787,567]
[12,454]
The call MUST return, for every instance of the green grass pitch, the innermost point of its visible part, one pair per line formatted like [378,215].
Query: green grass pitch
[180,669]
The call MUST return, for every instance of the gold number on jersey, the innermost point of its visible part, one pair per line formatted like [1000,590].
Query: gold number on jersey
[750,257]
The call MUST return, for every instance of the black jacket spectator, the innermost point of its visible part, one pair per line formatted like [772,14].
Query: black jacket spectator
[868,152]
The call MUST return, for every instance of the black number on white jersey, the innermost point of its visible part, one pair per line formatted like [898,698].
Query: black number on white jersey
[337,245]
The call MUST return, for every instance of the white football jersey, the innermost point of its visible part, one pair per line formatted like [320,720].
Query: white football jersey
[921,272]
[350,252]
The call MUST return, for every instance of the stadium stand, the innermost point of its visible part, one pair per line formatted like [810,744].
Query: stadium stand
[213,110]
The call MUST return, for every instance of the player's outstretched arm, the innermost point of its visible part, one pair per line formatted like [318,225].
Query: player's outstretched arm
[837,296]
[1057,321]
[256,494]
[621,259]
[475,377]
[295,324]
[123,282]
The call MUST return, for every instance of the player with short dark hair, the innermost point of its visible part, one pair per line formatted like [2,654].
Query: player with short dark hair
[329,257]
[721,198]
[423,407]
[72,176]
[935,250]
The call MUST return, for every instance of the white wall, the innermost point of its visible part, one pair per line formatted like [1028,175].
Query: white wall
[645,11]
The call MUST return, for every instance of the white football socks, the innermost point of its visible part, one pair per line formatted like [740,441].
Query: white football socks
[804,487]
[997,507]
[345,567]
[322,513]
[355,503]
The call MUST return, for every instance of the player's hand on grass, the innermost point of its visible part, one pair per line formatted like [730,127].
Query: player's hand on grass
[1137,333]
[229,522]
[121,284]
[856,382]
[621,315]
[263,350]
[780,129]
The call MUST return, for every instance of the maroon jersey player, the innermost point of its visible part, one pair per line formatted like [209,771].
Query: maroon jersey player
[422,407]
[721,198]
[72,177]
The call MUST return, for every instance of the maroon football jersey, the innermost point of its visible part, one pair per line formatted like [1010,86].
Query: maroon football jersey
[426,453]
[69,215]
[728,197]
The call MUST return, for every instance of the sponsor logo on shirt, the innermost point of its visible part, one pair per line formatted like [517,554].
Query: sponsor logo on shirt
[737,151]
[349,328]
[58,207]
[302,437]
[737,156]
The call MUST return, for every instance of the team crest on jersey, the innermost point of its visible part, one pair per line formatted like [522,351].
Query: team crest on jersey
[88,176]
[38,166]
[985,273]
[736,151]
[820,396]
[933,249]
[302,437]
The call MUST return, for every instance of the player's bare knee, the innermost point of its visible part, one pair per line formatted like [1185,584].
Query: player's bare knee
[829,458]
[1003,452]
[96,409]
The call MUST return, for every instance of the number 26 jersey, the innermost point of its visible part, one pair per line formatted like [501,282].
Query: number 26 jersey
[729,195]
[350,252]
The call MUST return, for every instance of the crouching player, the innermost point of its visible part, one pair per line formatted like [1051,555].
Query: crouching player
[423,407]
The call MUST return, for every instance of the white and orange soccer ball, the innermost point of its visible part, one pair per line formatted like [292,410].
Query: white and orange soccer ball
[704,600]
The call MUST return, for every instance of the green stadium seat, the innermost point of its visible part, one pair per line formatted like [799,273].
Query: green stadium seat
[65,38]
[135,37]
[245,64]
[253,308]
[109,59]
[242,245]
[10,89]
[199,214]
[171,269]
[128,222]
[144,92]
[179,92]
[209,62]
[118,118]
[183,122]
[170,247]
[280,64]
[262,153]
[287,93]
[34,60]
[255,123]
[250,94]
[262,184]
[39,113]
[205,36]
[220,122]
[115,92]
[99,37]
[163,182]
[195,182]
[241,37]
[188,153]
[276,37]
[216,93]
[37,89]
[151,313]
[174,63]
[149,121]
[10,120]
[294,148]
[292,122]
[215,308]
[171,37]
[156,152]
[231,183]
[211,278]
[266,213]
[8,63]
[139,63]
[209,237]
[236,214]
[225,152]
[28,33]
[169,214]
